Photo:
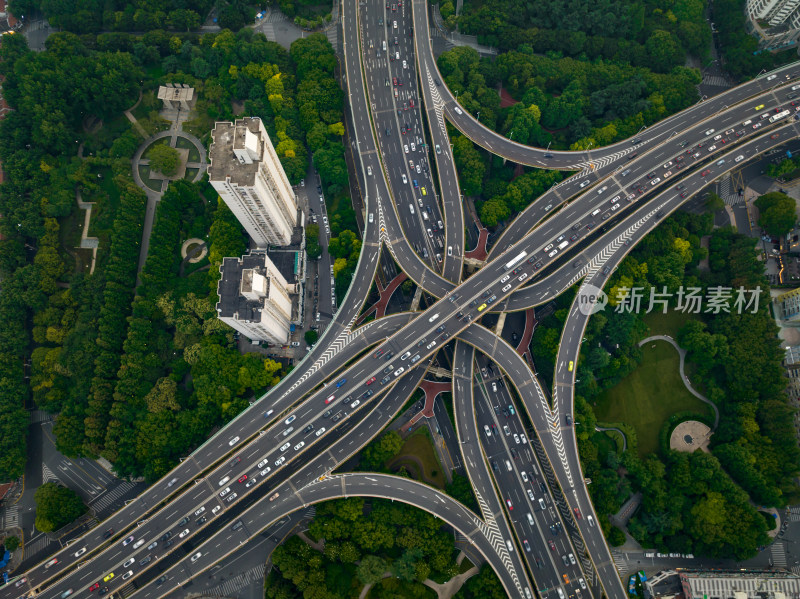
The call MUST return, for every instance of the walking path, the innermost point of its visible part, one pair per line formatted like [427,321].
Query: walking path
[431,389]
[379,307]
[524,347]
[601,429]
[684,378]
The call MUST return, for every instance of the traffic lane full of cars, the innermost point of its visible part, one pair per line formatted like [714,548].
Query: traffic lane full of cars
[529,504]
[258,512]
[402,137]
[637,167]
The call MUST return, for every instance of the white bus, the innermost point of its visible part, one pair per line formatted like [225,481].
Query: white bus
[516,260]
[781,115]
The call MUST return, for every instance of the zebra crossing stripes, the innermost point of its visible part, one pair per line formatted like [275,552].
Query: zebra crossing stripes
[715,80]
[109,497]
[232,586]
[268,29]
[37,544]
[38,416]
[47,474]
[778,551]
[620,562]
[11,516]
[794,514]
[727,192]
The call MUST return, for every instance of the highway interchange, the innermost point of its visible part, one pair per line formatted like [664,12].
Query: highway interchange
[291,440]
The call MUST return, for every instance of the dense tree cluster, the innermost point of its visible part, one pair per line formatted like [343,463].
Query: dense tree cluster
[484,585]
[777,214]
[56,506]
[81,16]
[383,536]
[565,100]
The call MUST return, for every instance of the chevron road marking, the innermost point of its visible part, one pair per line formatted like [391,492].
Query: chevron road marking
[47,474]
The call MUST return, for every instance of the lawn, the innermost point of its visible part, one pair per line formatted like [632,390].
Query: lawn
[417,450]
[194,155]
[649,395]
[144,173]
[667,324]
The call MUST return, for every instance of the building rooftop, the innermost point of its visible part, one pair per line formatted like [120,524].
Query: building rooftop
[227,137]
[175,92]
[231,301]
[720,584]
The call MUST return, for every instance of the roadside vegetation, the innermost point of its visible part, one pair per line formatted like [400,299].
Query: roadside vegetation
[700,503]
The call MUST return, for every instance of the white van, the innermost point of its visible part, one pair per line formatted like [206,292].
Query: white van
[508,466]
[530,519]
[383,45]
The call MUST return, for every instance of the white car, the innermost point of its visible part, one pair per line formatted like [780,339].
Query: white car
[129,563]
[319,432]
[200,510]
[138,543]
[224,480]
[80,552]
[712,148]
[280,460]
[405,179]
[216,509]
[413,147]
[183,534]
[355,404]
[285,446]
[522,438]
[233,441]
[299,446]
[224,491]
[196,556]
[655,181]
[405,149]
[739,158]
[400,371]
[516,438]
[232,497]
[291,418]
[265,471]
[530,495]
[418,169]
[524,475]
[262,463]
[405,64]
[506,288]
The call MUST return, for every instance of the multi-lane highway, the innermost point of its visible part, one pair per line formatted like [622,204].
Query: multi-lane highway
[537,526]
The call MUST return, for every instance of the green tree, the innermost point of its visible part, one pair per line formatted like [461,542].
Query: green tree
[311,337]
[715,203]
[371,569]
[12,543]
[777,213]
[56,506]
[616,537]
[163,159]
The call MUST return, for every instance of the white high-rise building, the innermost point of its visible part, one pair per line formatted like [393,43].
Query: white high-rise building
[248,176]
[776,23]
[254,298]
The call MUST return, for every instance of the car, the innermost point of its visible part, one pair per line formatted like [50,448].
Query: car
[127,541]
[774,136]
[280,460]
[705,172]
[203,508]
[94,587]
[355,404]
[509,504]
[165,536]
[107,534]
[378,353]
[196,556]
[299,446]
[564,557]
[370,381]
[290,419]
[233,441]
[757,125]
[285,446]
[760,106]
[684,194]
[668,164]
[405,149]
[530,495]
[172,482]
[552,545]
[129,563]
[127,575]
[161,580]
[67,593]
[651,175]
[584,184]
[231,497]
[424,192]
[405,179]
[152,545]
[80,552]
[712,148]
[367,394]
[400,371]
[667,174]
[319,432]
[590,520]
[526,545]
[242,478]
[516,439]
[572,559]
[20,582]
[582,582]
[108,577]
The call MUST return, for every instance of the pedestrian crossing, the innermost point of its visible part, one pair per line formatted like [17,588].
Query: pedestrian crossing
[778,552]
[109,497]
[794,514]
[11,516]
[620,562]
[332,34]
[38,416]
[715,80]
[37,544]
[727,192]
[232,586]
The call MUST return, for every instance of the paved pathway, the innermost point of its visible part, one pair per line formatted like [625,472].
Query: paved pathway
[684,378]
[524,346]
[431,389]
[601,429]
[379,307]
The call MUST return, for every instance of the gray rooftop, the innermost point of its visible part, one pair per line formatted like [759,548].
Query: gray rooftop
[230,299]
[225,136]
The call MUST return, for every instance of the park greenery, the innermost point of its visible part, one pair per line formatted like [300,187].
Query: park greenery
[56,506]
[364,540]
[79,16]
[777,214]
[163,159]
[11,543]
[699,503]
[139,372]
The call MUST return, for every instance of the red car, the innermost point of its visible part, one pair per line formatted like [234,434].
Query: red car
[94,587]
[242,478]
[774,136]
[370,381]
[394,80]
[705,172]
[510,506]
[577,513]
[378,353]
[552,545]
[330,399]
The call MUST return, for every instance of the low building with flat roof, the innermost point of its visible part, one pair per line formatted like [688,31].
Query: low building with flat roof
[737,584]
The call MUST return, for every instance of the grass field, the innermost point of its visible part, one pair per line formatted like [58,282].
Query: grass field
[667,324]
[649,395]
[416,450]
